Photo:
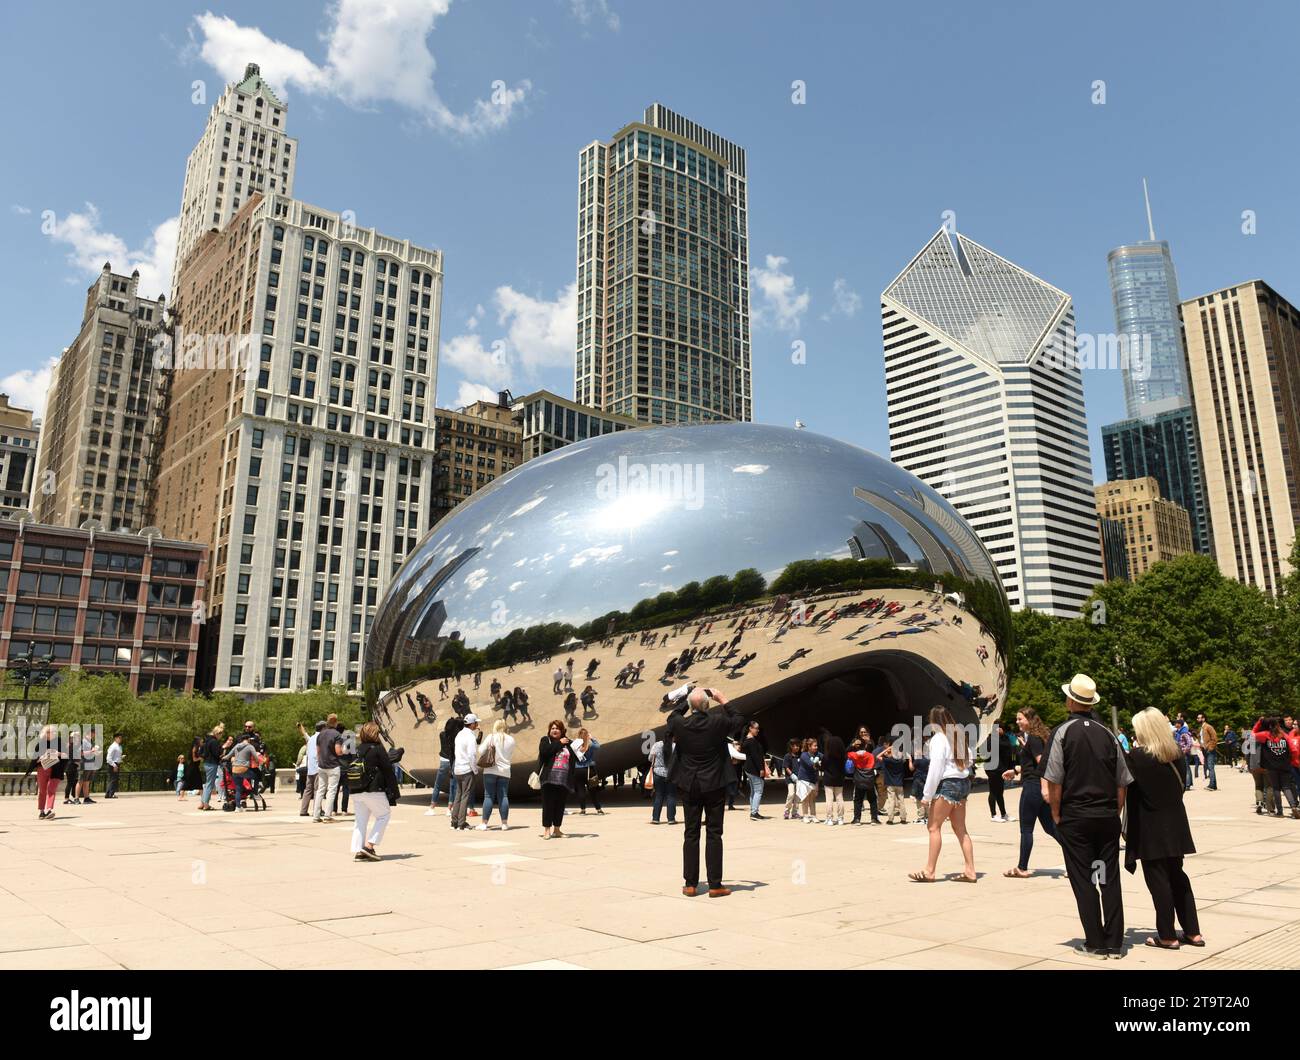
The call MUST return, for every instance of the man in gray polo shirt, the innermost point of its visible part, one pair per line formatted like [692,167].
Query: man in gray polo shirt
[1085,777]
[329,746]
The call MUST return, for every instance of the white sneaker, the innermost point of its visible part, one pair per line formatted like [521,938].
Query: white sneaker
[430,812]
[480,828]
[828,821]
[503,827]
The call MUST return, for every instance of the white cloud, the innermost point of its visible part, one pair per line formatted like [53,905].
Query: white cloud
[22,211]
[538,334]
[587,11]
[468,393]
[375,53]
[844,299]
[749,469]
[596,554]
[29,387]
[91,248]
[778,300]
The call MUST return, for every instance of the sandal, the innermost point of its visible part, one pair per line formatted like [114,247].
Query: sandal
[1200,943]
[1016,874]
[963,878]
[920,877]
[1156,943]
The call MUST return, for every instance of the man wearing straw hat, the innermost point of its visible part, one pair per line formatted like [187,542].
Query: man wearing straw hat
[1085,777]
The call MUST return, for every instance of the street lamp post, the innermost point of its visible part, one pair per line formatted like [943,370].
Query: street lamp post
[33,671]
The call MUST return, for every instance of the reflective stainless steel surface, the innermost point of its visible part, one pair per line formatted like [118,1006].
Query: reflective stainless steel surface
[810,580]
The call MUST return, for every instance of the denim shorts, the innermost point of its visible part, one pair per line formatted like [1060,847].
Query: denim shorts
[955,790]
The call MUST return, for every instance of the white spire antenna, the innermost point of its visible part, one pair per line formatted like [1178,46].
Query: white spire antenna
[1151,228]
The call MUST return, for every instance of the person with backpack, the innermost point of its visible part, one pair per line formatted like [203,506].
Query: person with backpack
[494,757]
[464,766]
[1275,761]
[373,785]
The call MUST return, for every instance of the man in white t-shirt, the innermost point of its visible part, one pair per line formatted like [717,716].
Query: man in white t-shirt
[313,772]
[114,758]
[464,766]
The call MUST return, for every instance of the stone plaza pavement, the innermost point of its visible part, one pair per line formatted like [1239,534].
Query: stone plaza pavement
[148,882]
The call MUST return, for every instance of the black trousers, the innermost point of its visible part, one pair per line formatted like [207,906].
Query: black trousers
[712,805]
[73,771]
[997,787]
[868,792]
[554,798]
[1171,893]
[586,786]
[1091,849]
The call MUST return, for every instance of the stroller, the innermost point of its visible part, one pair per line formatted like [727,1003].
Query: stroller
[249,796]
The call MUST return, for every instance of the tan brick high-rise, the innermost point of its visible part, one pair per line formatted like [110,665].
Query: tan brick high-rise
[1243,349]
[1154,529]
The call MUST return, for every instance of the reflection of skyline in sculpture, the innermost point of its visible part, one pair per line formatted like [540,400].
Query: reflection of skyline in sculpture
[939,558]
[541,555]
[873,541]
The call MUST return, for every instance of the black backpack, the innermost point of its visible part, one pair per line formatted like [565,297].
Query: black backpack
[358,775]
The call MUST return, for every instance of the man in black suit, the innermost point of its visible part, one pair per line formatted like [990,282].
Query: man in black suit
[701,769]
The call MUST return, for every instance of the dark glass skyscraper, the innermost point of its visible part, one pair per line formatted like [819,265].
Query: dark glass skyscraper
[1165,447]
[1159,438]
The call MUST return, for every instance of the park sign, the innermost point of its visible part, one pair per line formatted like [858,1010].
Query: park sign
[35,712]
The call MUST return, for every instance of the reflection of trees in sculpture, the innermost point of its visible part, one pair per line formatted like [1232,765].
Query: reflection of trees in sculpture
[694,601]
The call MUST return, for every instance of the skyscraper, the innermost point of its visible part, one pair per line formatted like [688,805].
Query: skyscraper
[1163,446]
[985,404]
[1243,346]
[243,150]
[305,461]
[1159,436]
[1154,529]
[95,459]
[663,274]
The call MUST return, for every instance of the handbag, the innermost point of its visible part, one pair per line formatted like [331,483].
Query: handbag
[535,780]
[649,784]
[49,759]
[488,756]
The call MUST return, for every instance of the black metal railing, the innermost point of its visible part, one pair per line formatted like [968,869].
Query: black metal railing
[135,780]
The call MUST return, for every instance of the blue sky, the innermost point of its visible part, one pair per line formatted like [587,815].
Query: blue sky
[911,110]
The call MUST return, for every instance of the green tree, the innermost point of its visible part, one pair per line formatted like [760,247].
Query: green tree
[1219,692]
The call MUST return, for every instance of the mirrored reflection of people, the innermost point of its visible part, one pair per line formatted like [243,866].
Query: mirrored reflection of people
[701,770]
[1086,777]
[1159,834]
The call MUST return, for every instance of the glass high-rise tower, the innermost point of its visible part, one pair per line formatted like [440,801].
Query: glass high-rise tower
[1159,436]
[663,274]
[1144,288]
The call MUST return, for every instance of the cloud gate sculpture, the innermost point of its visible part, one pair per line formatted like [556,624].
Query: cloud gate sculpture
[814,582]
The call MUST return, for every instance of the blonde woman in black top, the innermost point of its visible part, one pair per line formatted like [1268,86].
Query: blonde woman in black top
[1159,835]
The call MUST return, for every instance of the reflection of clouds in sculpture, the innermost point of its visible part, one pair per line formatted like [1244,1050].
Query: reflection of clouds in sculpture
[525,508]
[749,469]
[596,555]
[515,586]
[476,579]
